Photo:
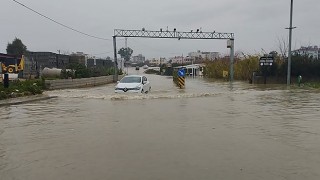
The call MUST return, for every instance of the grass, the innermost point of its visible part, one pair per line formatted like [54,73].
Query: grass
[315,85]
[21,88]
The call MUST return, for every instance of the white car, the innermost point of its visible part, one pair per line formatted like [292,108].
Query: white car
[133,83]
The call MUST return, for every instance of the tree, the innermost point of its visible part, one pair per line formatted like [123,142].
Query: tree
[125,53]
[16,48]
[80,70]
[283,47]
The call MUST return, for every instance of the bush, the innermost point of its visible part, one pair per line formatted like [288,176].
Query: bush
[301,65]
[81,71]
[305,66]
[22,88]
[245,68]
[3,95]
[66,74]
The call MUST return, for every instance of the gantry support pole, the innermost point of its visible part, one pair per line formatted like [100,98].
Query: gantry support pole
[115,76]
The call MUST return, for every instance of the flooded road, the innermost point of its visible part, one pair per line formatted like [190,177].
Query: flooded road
[206,131]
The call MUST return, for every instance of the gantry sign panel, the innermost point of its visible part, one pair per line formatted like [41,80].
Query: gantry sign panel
[172,34]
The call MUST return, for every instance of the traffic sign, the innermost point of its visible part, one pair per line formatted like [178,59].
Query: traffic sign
[266,61]
[181,82]
[181,73]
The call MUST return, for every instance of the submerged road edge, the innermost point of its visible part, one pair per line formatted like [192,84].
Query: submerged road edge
[24,100]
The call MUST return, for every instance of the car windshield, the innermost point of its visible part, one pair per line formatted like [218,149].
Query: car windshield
[131,80]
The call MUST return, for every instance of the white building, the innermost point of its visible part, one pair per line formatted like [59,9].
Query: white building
[177,60]
[188,60]
[204,55]
[138,59]
[182,60]
[157,62]
[310,51]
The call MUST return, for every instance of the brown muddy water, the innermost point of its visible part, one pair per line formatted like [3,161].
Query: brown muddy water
[207,131]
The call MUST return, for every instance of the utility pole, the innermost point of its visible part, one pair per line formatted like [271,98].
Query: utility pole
[290,42]
[230,44]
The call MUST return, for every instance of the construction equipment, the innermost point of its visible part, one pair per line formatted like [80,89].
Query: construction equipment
[12,64]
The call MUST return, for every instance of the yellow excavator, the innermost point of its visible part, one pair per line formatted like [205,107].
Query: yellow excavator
[10,65]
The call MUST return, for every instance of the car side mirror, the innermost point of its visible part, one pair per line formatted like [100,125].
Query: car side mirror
[144,82]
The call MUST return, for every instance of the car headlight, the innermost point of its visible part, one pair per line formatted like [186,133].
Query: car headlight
[136,88]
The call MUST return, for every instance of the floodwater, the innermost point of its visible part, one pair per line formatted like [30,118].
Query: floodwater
[207,131]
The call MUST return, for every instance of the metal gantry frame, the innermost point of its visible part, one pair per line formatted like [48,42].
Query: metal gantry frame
[173,35]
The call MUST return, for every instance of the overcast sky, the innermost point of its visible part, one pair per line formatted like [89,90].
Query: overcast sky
[257,24]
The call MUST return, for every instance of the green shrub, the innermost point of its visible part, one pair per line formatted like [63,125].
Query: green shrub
[22,88]
[3,95]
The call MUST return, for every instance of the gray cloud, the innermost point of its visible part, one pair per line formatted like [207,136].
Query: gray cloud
[256,24]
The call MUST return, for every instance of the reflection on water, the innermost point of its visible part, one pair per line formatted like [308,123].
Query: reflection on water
[206,131]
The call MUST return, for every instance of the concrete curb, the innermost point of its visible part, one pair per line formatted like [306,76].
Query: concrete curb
[79,83]
[24,100]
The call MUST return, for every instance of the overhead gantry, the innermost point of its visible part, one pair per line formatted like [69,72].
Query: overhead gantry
[198,34]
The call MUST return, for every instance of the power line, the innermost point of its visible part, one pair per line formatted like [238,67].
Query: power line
[68,27]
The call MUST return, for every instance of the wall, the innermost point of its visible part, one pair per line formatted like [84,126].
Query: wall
[99,63]
[77,83]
